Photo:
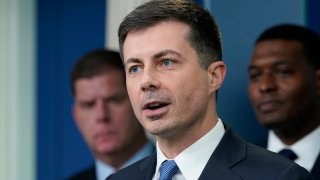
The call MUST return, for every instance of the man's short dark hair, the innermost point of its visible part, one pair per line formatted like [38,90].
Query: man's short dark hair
[95,63]
[309,39]
[204,36]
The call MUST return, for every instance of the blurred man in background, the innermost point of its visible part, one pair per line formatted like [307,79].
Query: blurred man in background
[284,89]
[104,116]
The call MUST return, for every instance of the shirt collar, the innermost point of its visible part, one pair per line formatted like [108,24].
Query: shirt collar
[192,160]
[104,170]
[309,143]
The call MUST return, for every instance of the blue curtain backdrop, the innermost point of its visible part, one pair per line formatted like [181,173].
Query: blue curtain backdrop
[313,14]
[66,30]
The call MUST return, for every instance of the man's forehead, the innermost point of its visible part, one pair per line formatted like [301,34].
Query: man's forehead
[156,40]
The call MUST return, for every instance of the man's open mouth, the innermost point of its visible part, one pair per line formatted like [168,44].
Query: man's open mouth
[154,105]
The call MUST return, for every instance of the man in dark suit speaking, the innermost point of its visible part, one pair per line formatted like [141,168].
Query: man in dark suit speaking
[172,54]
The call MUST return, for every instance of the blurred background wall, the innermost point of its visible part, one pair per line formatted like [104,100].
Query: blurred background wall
[17,89]
[40,40]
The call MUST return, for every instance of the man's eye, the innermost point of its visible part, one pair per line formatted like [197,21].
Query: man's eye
[116,100]
[283,72]
[254,75]
[87,105]
[134,69]
[167,62]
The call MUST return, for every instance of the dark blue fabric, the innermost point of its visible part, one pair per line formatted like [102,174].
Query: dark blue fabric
[313,15]
[233,159]
[66,30]
[288,153]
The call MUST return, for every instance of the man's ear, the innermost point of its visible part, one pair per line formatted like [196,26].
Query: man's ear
[216,73]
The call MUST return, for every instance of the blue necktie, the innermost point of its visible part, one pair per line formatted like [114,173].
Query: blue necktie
[288,153]
[168,169]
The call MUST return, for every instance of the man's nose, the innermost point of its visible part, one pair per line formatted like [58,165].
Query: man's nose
[267,83]
[102,111]
[150,80]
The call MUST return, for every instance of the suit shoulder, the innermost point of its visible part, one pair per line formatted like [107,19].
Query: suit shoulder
[85,174]
[133,171]
[272,164]
[262,155]
[249,161]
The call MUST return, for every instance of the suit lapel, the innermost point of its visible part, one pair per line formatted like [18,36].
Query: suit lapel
[147,167]
[316,169]
[228,153]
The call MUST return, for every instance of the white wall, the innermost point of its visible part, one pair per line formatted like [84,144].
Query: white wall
[17,89]
[116,11]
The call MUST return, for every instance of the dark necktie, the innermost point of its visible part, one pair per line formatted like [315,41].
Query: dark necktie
[168,169]
[288,153]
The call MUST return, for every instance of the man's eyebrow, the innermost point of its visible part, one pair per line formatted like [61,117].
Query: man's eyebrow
[84,101]
[273,65]
[165,52]
[155,56]
[281,62]
[132,60]
[277,63]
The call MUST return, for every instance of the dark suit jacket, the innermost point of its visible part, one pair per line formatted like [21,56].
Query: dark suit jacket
[315,171]
[90,172]
[233,159]
[86,174]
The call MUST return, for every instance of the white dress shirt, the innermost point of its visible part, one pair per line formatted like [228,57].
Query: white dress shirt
[307,149]
[104,170]
[192,160]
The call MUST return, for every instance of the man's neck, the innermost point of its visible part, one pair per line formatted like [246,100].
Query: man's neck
[175,144]
[291,135]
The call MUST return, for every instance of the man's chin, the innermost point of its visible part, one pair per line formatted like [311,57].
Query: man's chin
[107,149]
[162,132]
[271,123]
